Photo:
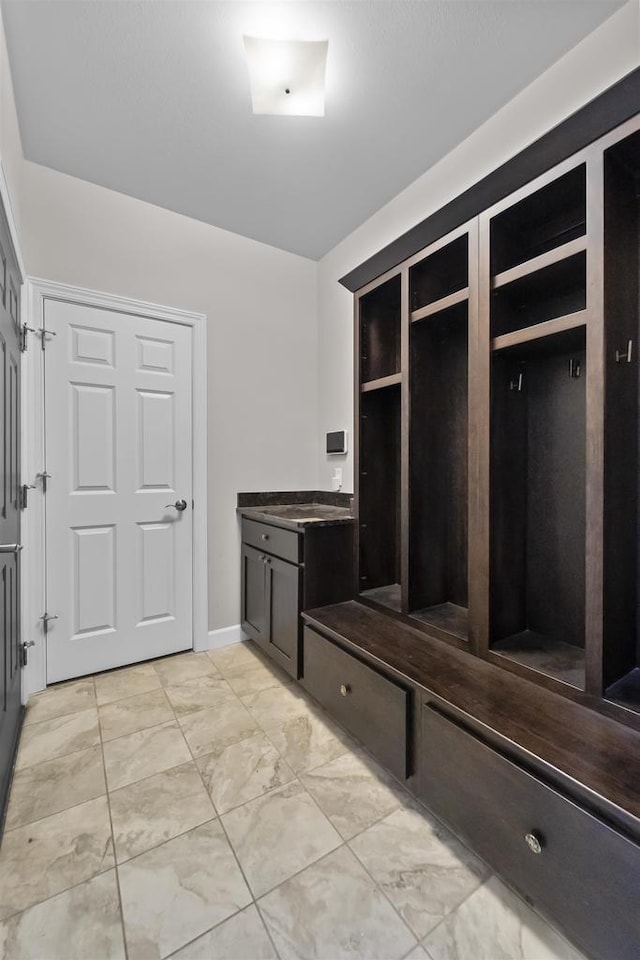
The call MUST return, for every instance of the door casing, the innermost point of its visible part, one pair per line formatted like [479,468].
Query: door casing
[36,292]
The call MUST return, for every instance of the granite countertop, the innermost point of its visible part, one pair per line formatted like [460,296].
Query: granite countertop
[296,510]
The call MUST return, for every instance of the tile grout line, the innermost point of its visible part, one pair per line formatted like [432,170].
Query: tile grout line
[113,841]
[235,856]
[379,887]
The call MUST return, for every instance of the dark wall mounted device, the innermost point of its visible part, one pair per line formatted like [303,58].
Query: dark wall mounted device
[337,441]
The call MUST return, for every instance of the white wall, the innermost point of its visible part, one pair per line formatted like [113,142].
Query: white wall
[10,142]
[605,56]
[262,333]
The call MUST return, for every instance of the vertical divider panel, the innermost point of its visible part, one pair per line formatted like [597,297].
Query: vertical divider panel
[479,433]
[595,401]
[356,441]
[405,433]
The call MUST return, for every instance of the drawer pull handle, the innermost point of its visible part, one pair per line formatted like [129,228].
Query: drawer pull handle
[345,689]
[264,536]
[534,843]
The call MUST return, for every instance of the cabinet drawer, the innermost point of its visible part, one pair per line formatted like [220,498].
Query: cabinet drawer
[580,872]
[275,540]
[372,707]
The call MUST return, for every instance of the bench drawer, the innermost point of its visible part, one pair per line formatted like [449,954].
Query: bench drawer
[368,704]
[576,869]
[281,543]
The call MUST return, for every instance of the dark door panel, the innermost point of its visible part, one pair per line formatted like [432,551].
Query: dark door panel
[10,642]
[254,596]
[283,599]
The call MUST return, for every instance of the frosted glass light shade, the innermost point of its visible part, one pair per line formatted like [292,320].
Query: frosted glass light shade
[287,76]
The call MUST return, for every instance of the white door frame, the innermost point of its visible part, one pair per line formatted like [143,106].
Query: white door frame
[33,529]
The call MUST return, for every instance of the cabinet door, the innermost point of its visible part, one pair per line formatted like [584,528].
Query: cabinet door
[254,595]
[283,604]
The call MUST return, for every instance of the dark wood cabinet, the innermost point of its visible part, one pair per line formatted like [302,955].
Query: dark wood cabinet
[285,571]
[271,603]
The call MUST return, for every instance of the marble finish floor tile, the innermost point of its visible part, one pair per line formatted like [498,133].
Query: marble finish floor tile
[276,705]
[46,857]
[243,770]
[61,700]
[127,682]
[200,693]
[257,677]
[149,812]
[55,785]
[308,741]
[184,666]
[144,753]
[495,924]
[134,713]
[57,737]
[176,892]
[333,909]
[242,937]
[354,792]
[422,868]
[277,835]
[208,731]
[234,657]
[80,923]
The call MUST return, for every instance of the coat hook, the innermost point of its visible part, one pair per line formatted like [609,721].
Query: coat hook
[575,368]
[516,383]
[625,356]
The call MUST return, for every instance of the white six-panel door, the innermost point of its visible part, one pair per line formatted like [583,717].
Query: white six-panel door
[119,454]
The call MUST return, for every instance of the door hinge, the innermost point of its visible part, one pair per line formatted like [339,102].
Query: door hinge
[23,495]
[43,333]
[46,619]
[25,647]
[44,476]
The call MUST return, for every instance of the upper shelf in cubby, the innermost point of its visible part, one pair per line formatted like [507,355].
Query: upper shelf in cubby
[438,306]
[441,274]
[550,332]
[544,260]
[543,221]
[381,383]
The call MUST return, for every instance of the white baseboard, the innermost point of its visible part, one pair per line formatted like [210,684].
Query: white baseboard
[224,636]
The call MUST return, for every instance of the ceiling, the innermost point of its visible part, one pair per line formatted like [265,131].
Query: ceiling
[152,99]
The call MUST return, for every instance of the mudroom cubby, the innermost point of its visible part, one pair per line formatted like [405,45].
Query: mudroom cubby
[440,279]
[543,221]
[537,511]
[380,491]
[621,651]
[438,516]
[380,332]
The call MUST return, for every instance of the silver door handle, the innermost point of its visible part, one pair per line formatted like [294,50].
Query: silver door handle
[179,505]
[10,547]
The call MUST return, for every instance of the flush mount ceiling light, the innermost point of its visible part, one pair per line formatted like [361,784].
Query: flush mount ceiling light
[287,76]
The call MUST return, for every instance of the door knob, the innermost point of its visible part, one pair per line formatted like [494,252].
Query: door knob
[533,842]
[179,505]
